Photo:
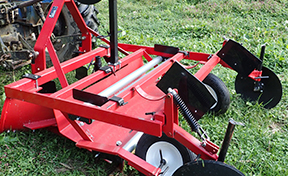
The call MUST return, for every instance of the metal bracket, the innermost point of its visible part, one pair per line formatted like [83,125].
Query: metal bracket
[115,65]
[32,76]
[119,100]
[104,46]
[111,67]
[106,69]
[82,119]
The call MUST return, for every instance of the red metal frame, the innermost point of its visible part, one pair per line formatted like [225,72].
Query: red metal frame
[25,107]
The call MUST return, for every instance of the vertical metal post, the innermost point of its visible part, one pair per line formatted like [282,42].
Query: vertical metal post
[227,139]
[261,57]
[259,86]
[113,31]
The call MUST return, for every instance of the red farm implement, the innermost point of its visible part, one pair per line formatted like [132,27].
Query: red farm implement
[134,101]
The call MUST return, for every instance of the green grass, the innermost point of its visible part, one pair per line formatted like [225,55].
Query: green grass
[259,148]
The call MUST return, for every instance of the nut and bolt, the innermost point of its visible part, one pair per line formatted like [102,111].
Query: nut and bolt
[118,143]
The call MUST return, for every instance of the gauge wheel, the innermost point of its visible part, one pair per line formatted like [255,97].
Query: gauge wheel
[207,168]
[220,93]
[173,155]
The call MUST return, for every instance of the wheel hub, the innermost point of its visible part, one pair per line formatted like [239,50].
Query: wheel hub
[169,158]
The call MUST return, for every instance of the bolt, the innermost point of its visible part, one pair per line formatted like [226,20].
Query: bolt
[97,155]
[118,143]
[81,123]
[203,144]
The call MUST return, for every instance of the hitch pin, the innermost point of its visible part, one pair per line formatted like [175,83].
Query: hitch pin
[227,139]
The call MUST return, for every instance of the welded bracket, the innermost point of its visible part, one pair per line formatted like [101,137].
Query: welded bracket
[34,77]
[82,119]
[118,100]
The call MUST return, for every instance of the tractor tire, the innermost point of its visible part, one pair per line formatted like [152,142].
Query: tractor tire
[219,91]
[174,153]
[66,22]
[89,14]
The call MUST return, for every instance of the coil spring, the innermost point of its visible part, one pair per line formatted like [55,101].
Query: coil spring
[185,111]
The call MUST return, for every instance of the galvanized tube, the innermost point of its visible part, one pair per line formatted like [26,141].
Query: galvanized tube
[131,144]
[128,79]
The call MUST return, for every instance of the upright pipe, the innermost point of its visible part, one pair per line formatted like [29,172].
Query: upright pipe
[227,139]
[113,31]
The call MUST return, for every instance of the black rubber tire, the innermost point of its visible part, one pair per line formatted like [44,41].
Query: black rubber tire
[89,14]
[146,141]
[207,168]
[220,91]
[66,21]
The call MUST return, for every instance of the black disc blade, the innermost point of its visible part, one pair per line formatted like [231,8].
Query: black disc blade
[272,89]
[207,168]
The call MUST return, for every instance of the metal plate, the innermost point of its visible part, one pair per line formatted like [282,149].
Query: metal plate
[166,49]
[89,97]
[239,58]
[272,91]
[192,91]
[207,168]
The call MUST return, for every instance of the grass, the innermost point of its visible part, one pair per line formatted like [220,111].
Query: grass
[259,148]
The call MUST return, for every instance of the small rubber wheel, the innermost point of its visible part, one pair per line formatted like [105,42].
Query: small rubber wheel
[219,91]
[207,168]
[152,148]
